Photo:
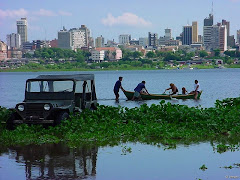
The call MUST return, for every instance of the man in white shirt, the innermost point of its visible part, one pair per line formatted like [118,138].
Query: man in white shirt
[196,89]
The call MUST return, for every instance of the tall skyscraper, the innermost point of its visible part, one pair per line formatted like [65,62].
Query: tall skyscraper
[124,38]
[187,35]
[207,29]
[22,29]
[215,38]
[153,39]
[208,21]
[14,40]
[223,38]
[99,42]
[218,37]
[64,39]
[194,31]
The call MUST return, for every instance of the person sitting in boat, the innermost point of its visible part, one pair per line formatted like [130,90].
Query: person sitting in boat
[196,90]
[173,88]
[138,89]
[184,91]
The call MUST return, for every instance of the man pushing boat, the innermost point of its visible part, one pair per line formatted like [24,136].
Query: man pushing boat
[138,89]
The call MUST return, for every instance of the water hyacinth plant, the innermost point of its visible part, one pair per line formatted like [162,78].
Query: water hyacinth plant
[162,123]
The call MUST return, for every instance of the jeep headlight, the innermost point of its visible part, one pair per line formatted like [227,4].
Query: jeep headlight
[20,107]
[47,107]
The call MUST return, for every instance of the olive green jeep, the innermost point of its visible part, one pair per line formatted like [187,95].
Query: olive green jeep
[49,99]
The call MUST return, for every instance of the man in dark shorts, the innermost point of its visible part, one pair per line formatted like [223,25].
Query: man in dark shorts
[138,89]
[118,85]
[196,90]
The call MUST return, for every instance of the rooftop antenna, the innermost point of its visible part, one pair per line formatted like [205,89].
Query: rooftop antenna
[61,22]
[45,34]
[212,7]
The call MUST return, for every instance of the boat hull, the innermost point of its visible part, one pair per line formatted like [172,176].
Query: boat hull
[129,95]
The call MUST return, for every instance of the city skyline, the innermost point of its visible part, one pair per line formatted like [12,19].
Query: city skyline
[110,19]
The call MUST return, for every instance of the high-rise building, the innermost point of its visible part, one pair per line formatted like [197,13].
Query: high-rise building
[207,30]
[143,42]
[14,40]
[218,38]
[223,38]
[99,41]
[231,41]
[88,39]
[75,38]
[64,39]
[187,35]
[208,21]
[227,24]
[194,31]
[200,38]
[22,29]
[215,38]
[124,38]
[168,34]
[238,36]
[153,39]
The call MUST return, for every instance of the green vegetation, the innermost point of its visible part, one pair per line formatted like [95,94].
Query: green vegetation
[164,123]
[56,59]
[58,53]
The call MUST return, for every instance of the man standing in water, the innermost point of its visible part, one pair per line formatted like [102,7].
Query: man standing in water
[138,89]
[196,89]
[118,85]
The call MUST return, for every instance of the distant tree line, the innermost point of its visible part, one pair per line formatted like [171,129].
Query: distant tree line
[58,53]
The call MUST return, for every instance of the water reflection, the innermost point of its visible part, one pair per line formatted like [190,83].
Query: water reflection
[55,161]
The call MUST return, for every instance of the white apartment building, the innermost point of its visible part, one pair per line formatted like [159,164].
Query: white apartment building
[22,29]
[97,56]
[124,39]
[14,40]
[78,38]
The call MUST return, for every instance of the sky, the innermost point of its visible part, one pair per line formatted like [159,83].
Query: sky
[110,18]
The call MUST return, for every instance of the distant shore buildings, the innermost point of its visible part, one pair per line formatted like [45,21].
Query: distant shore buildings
[215,36]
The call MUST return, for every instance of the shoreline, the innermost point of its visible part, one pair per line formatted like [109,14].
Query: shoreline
[119,69]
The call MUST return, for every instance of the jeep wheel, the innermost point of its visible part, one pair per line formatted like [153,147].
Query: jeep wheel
[10,125]
[61,117]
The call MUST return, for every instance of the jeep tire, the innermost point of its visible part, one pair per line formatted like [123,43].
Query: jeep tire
[61,116]
[10,124]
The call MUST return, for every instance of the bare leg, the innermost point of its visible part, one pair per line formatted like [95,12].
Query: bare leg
[196,95]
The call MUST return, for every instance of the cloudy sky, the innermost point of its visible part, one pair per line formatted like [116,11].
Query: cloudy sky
[111,17]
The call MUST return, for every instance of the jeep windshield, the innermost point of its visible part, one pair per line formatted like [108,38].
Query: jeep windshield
[50,86]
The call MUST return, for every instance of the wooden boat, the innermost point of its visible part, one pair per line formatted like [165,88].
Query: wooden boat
[129,95]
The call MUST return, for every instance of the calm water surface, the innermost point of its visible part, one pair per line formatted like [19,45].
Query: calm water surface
[215,83]
[142,161]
